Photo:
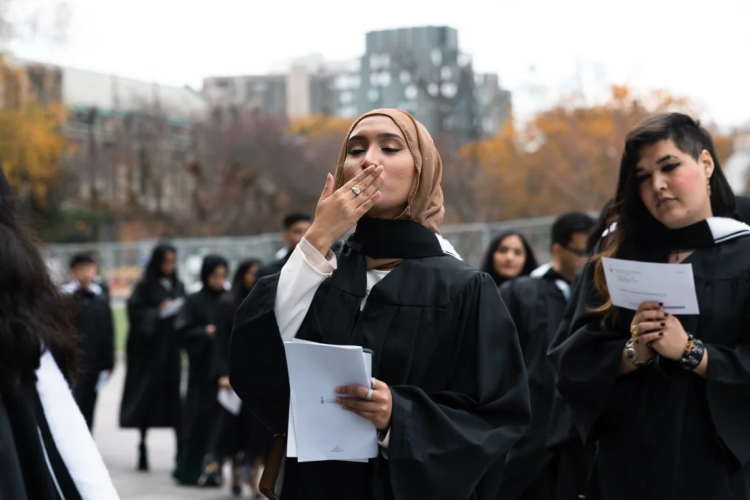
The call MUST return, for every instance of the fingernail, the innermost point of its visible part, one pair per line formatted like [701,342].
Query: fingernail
[661,333]
[666,314]
[661,303]
[663,324]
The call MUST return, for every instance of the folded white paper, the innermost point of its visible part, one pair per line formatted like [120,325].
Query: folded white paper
[172,309]
[320,429]
[631,283]
[230,401]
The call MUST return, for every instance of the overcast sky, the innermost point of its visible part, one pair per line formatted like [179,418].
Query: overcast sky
[539,48]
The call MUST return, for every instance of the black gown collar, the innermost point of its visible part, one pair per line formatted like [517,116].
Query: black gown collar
[394,239]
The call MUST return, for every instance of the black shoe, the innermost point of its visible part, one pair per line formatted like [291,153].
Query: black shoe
[143,458]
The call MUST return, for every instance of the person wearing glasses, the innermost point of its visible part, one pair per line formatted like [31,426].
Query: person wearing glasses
[536,304]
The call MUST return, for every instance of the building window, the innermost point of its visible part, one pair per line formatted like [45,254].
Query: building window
[449,90]
[437,57]
[373,95]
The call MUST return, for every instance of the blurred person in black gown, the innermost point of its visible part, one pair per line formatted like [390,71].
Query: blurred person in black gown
[46,449]
[96,332]
[242,438]
[296,225]
[660,394]
[196,325]
[151,397]
[450,394]
[508,256]
[536,305]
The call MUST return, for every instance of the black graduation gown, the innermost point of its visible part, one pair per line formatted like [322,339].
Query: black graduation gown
[536,306]
[243,432]
[665,433]
[151,397]
[96,344]
[444,343]
[28,455]
[201,405]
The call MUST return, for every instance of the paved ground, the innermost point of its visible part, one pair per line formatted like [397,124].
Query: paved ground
[119,450]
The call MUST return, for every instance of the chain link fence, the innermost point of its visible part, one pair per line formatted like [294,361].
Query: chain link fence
[122,263]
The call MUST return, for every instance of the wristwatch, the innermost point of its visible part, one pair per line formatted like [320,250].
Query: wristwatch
[631,356]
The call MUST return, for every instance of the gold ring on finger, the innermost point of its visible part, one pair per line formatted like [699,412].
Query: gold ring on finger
[635,330]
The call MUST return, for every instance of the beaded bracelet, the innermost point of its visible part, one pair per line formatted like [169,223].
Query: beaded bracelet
[693,354]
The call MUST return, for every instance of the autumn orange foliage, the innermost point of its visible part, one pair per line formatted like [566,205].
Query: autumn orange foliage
[565,158]
[317,126]
[31,145]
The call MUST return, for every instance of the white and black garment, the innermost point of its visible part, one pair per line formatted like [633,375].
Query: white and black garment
[73,286]
[46,450]
[711,231]
[70,435]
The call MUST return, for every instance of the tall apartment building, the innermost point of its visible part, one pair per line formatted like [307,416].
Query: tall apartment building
[421,70]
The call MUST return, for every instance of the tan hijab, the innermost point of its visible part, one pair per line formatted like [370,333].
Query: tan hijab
[425,203]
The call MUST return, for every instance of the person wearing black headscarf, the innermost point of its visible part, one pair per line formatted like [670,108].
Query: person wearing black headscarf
[151,397]
[196,326]
[509,256]
[241,438]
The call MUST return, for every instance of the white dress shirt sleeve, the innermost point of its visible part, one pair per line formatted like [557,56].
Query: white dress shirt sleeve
[300,278]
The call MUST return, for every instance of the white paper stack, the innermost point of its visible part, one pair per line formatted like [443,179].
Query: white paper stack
[319,428]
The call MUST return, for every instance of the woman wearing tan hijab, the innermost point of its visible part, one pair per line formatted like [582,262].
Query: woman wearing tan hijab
[450,394]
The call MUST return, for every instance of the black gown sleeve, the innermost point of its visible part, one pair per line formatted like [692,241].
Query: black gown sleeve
[142,315]
[220,349]
[728,392]
[509,296]
[587,360]
[257,360]
[109,335]
[187,323]
[465,430]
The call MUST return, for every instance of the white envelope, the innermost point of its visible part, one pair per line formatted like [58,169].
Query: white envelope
[631,283]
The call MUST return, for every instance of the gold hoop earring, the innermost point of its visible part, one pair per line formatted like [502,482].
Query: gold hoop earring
[708,185]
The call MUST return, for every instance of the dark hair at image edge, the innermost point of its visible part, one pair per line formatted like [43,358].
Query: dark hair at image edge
[33,313]
[634,222]
[488,264]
